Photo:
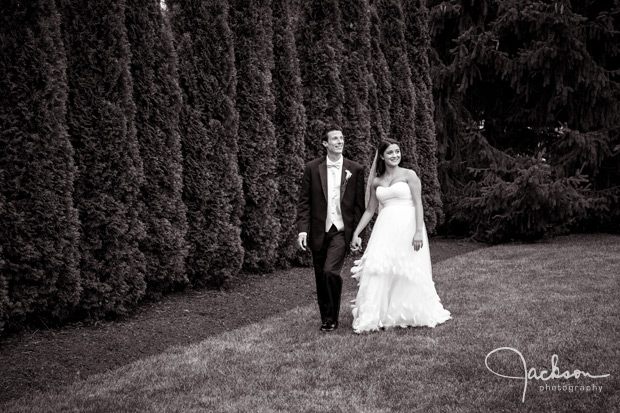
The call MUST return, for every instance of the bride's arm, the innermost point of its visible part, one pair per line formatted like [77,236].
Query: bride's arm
[416,192]
[370,210]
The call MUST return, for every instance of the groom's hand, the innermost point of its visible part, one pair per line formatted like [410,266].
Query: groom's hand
[301,240]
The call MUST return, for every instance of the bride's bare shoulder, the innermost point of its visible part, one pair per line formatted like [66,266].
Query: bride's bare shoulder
[410,174]
[412,178]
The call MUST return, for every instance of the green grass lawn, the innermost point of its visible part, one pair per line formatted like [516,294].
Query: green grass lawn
[558,297]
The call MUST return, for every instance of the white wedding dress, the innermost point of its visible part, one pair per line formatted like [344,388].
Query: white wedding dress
[396,286]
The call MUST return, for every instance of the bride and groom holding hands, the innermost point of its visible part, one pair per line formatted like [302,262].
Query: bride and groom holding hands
[394,274]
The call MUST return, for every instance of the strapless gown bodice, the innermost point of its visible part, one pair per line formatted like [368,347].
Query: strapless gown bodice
[397,194]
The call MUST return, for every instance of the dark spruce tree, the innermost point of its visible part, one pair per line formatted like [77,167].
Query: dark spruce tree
[290,128]
[100,115]
[320,54]
[251,22]
[158,101]
[38,222]
[212,185]
[380,88]
[403,99]
[527,111]
[418,41]
[356,79]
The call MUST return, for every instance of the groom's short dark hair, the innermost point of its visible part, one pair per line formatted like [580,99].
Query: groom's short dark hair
[330,126]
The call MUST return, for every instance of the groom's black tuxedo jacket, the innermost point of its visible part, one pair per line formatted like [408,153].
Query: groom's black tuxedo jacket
[312,207]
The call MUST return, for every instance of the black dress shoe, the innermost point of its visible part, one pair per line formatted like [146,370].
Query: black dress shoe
[329,326]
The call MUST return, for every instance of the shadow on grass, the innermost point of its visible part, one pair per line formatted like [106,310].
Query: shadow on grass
[46,359]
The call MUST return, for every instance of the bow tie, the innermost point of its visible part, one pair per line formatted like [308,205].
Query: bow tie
[333,165]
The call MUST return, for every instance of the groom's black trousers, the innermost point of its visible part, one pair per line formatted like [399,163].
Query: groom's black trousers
[328,263]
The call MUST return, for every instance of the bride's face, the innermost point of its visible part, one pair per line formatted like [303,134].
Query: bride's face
[391,155]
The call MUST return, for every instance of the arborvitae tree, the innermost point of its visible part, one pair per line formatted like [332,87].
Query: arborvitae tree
[4,300]
[356,77]
[213,192]
[380,88]
[158,101]
[38,222]
[290,127]
[194,144]
[402,110]
[320,53]
[100,115]
[418,41]
[201,261]
[251,22]
[527,106]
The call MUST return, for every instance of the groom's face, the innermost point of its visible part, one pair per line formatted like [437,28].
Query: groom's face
[334,142]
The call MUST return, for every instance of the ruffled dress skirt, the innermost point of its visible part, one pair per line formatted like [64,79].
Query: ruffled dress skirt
[396,287]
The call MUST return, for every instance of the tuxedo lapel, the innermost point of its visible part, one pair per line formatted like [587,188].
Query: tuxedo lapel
[343,186]
[323,175]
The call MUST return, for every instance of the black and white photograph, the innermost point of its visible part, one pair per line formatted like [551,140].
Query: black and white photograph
[258,206]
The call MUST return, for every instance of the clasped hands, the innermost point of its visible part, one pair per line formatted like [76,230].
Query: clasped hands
[356,244]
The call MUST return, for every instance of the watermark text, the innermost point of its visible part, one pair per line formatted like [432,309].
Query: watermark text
[544,374]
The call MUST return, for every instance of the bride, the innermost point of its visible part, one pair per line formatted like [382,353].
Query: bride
[396,287]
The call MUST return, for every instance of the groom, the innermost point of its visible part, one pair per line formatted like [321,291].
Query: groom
[331,204]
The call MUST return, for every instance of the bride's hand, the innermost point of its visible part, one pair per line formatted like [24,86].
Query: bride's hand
[417,243]
[356,244]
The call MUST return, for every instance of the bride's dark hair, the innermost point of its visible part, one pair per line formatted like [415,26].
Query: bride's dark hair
[383,145]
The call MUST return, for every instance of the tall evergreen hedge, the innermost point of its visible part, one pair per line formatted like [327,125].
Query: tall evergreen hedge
[356,79]
[380,88]
[418,41]
[403,98]
[290,128]
[194,144]
[100,115]
[38,222]
[320,54]
[4,300]
[214,195]
[158,101]
[194,139]
[253,28]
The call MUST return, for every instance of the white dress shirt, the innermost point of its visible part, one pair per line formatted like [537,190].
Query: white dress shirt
[334,214]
